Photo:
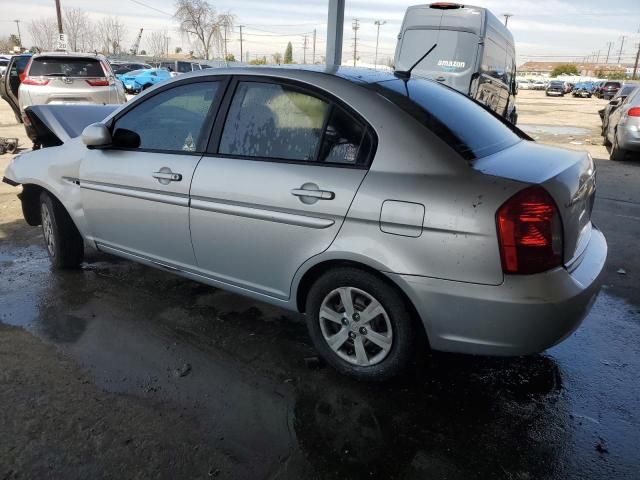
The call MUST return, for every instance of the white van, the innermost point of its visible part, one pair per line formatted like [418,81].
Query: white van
[474,52]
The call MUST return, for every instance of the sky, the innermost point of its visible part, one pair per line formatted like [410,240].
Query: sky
[544,30]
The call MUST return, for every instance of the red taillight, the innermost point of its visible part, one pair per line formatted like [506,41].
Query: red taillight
[25,72]
[529,232]
[634,112]
[98,82]
[35,81]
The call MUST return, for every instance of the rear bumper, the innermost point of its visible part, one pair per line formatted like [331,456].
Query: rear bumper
[629,137]
[526,314]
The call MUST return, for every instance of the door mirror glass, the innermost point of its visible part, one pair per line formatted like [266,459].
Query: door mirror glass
[123,138]
[96,135]
[615,102]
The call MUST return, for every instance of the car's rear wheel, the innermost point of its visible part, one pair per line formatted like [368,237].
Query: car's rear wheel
[617,153]
[360,324]
[62,239]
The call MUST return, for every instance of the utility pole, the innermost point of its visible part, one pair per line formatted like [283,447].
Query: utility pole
[507,16]
[240,42]
[635,67]
[19,36]
[609,44]
[304,50]
[225,42]
[378,23]
[598,57]
[59,14]
[314,47]
[621,47]
[355,26]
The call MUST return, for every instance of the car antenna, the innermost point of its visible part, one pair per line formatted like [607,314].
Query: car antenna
[406,74]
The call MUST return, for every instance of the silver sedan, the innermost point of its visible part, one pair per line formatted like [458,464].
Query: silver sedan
[622,132]
[386,209]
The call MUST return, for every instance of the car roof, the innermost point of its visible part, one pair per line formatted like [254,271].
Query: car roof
[353,74]
[70,55]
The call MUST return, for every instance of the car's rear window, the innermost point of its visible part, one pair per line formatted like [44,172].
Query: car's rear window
[463,124]
[67,67]
[612,84]
[4,63]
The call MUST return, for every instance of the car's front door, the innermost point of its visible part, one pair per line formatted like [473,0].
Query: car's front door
[136,198]
[11,83]
[284,168]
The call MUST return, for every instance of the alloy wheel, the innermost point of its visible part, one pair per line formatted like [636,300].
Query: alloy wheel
[47,229]
[355,326]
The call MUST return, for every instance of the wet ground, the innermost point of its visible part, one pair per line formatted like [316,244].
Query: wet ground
[119,370]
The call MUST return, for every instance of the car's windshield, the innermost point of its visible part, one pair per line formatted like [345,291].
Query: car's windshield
[464,125]
[68,67]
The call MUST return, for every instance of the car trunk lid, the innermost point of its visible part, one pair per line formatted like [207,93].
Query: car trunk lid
[568,176]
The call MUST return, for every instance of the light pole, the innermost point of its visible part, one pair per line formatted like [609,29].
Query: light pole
[507,16]
[19,36]
[378,23]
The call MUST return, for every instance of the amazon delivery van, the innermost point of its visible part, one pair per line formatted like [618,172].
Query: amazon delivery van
[474,52]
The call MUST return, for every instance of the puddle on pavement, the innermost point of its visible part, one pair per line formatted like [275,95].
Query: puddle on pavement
[532,129]
[455,416]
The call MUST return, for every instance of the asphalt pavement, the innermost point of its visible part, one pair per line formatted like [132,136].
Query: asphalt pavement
[119,370]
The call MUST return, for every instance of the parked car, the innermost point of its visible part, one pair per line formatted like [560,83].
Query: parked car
[10,83]
[568,87]
[609,89]
[139,80]
[473,52]
[524,85]
[555,88]
[623,129]
[614,103]
[120,69]
[4,63]
[582,90]
[539,85]
[176,67]
[384,208]
[64,78]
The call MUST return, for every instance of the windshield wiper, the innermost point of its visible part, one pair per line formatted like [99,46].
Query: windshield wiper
[406,74]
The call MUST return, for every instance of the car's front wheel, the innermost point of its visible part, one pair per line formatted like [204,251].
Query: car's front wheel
[360,324]
[62,239]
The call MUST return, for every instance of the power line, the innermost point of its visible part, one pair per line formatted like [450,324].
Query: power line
[152,8]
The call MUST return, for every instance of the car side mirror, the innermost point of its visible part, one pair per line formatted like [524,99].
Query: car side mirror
[615,102]
[96,135]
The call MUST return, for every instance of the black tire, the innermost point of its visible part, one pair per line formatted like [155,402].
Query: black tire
[617,154]
[399,316]
[62,239]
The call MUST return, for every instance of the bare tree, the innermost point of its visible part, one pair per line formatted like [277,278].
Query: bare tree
[111,34]
[78,28]
[199,20]
[277,58]
[157,43]
[43,32]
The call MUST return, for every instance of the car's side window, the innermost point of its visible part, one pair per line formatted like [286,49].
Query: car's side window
[171,120]
[345,140]
[268,120]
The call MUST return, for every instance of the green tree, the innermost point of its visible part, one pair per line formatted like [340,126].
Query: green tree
[610,75]
[258,61]
[565,69]
[230,57]
[288,53]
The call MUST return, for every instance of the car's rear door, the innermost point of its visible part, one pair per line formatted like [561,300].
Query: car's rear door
[284,165]
[136,199]
[11,82]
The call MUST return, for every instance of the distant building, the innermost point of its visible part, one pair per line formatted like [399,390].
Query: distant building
[544,69]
